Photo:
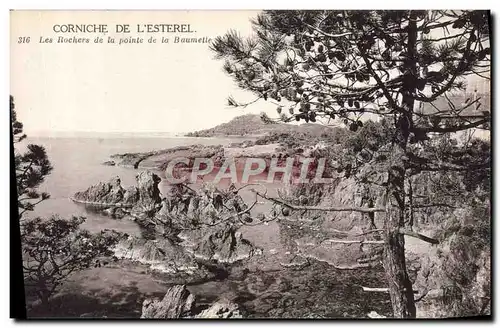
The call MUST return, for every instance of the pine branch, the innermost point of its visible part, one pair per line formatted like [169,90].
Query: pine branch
[419,236]
[380,290]
[333,36]
[356,235]
[452,128]
[448,85]
[352,267]
[321,208]
[380,83]
[370,260]
[341,241]
[434,205]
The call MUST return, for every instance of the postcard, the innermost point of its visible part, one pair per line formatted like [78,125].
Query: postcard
[273,164]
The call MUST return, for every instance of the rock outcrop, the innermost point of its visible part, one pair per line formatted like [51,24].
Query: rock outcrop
[136,201]
[131,195]
[209,220]
[148,197]
[315,234]
[162,255]
[450,286]
[215,223]
[178,302]
[158,159]
[375,315]
[147,183]
[223,244]
[175,255]
[103,193]
[221,309]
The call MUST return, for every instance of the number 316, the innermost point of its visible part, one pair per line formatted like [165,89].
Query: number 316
[23,39]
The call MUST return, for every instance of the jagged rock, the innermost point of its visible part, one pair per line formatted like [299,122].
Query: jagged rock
[131,195]
[221,309]
[223,244]
[149,202]
[114,212]
[162,255]
[454,276]
[109,163]
[306,232]
[165,208]
[375,315]
[209,223]
[119,212]
[142,201]
[178,302]
[211,218]
[147,183]
[203,207]
[103,193]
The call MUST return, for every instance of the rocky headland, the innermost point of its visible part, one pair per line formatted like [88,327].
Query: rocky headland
[197,236]
[185,230]
[261,140]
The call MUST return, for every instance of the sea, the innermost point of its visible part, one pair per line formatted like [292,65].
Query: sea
[78,164]
[119,290]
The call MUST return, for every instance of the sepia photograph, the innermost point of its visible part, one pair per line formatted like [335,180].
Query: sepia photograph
[250,164]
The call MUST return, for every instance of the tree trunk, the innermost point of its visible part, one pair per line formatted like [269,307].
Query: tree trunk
[400,286]
[44,295]
[45,301]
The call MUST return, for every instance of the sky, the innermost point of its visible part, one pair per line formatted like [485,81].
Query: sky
[129,88]
[142,88]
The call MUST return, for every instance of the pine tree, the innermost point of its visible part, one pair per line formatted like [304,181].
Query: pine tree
[52,248]
[393,65]
[31,168]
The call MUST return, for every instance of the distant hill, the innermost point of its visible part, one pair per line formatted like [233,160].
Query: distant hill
[252,125]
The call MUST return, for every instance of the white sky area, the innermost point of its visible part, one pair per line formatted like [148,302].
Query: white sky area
[129,88]
[137,88]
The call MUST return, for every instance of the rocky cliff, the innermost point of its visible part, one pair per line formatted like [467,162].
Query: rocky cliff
[185,227]
[135,201]
[178,302]
[161,254]
[107,193]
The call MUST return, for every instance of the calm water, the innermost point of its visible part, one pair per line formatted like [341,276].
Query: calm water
[77,165]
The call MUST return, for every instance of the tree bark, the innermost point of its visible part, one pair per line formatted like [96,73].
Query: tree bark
[400,286]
